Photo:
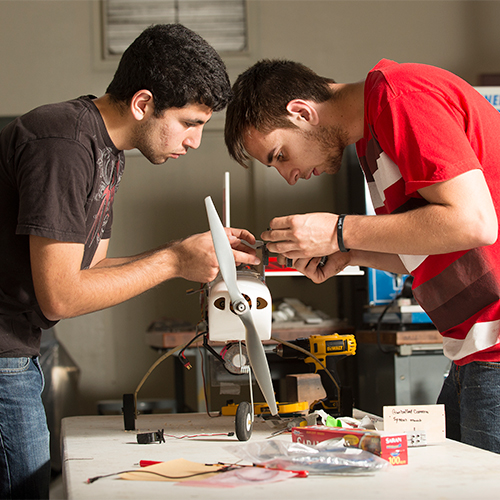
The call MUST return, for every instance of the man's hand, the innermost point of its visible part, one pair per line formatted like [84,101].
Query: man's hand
[196,255]
[302,236]
[311,268]
[243,254]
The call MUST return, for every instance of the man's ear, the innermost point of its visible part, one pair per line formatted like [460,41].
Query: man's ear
[303,111]
[142,104]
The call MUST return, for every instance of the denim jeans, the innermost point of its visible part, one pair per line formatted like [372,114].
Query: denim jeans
[471,395]
[24,435]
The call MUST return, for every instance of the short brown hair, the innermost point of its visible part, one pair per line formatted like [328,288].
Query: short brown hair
[261,95]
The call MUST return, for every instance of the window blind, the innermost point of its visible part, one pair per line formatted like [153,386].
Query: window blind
[221,22]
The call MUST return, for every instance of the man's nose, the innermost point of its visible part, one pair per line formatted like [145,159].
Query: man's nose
[193,139]
[291,176]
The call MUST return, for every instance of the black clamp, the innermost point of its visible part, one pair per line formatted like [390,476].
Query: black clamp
[151,437]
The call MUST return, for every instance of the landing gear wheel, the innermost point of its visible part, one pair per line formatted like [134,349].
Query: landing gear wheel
[244,421]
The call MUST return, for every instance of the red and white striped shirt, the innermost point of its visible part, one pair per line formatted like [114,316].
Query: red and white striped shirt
[425,125]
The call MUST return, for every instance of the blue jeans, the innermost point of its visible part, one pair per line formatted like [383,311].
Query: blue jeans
[471,395]
[24,435]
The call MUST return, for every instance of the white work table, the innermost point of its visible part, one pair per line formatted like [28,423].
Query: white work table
[98,445]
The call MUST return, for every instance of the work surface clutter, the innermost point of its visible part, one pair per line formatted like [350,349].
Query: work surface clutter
[201,454]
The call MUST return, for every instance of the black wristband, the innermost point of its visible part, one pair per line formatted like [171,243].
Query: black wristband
[340,236]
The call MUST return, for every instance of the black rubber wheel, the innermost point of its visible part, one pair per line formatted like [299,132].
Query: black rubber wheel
[244,421]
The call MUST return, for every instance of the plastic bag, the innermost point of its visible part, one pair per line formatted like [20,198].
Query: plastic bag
[327,457]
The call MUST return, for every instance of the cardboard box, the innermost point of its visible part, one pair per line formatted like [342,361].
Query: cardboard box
[391,447]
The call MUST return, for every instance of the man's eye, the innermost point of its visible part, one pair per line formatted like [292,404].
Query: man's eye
[279,157]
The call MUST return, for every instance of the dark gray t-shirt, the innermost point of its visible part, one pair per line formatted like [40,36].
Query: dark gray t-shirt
[59,172]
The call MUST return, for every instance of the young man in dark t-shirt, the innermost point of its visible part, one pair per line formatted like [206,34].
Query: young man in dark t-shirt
[60,167]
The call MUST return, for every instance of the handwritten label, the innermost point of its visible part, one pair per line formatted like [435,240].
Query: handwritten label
[428,418]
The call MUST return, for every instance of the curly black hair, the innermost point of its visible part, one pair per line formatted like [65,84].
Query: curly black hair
[176,65]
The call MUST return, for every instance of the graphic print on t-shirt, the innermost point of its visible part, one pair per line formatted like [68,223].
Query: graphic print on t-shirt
[110,173]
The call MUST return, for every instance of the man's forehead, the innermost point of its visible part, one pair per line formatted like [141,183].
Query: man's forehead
[258,144]
[191,109]
[254,136]
[251,133]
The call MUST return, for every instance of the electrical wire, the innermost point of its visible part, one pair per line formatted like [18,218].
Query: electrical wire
[205,392]
[226,468]
[191,436]
[379,325]
[163,358]
[196,337]
[406,291]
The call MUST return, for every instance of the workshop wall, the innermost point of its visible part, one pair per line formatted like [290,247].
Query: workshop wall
[50,52]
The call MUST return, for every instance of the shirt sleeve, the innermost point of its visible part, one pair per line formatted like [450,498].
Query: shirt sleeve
[426,136]
[54,178]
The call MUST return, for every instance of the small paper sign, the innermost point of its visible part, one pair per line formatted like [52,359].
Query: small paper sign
[427,418]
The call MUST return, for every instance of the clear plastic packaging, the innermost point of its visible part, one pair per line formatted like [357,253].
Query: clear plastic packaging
[327,457]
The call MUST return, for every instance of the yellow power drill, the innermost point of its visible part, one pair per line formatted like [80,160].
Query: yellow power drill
[323,352]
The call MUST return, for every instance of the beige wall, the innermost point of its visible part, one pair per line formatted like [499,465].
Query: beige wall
[50,52]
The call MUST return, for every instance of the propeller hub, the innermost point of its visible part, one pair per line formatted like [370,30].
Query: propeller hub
[240,307]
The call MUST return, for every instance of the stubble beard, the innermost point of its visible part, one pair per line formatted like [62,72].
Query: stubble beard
[142,142]
[332,141]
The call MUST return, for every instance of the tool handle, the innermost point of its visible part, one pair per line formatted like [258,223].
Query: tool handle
[147,463]
[328,384]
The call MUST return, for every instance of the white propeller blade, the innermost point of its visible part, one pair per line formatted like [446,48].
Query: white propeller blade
[227,266]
